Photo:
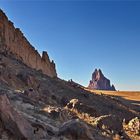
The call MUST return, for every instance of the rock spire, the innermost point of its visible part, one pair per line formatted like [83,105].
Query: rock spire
[100,82]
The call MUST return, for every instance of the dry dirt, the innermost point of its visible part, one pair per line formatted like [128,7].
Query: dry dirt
[127,97]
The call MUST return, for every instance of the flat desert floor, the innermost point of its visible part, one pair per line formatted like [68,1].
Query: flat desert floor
[130,98]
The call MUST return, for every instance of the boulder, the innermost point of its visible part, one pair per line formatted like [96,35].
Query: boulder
[82,108]
[75,130]
[109,122]
[13,121]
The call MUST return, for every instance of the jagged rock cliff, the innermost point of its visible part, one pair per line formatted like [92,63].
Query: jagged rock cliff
[100,82]
[13,41]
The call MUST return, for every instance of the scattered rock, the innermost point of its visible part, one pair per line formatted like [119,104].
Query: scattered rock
[53,112]
[82,108]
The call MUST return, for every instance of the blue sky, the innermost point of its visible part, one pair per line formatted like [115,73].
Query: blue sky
[83,35]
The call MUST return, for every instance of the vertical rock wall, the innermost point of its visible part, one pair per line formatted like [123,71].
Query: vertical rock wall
[13,41]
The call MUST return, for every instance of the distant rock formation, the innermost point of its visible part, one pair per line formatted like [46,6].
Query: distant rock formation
[13,41]
[100,82]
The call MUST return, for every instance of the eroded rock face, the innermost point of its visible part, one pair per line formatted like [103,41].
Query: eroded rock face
[13,41]
[100,82]
[13,121]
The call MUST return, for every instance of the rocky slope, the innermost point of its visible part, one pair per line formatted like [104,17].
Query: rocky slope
[35,106]
[100,82]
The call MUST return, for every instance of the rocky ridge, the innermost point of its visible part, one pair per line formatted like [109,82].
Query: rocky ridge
[100,82]
[13,41]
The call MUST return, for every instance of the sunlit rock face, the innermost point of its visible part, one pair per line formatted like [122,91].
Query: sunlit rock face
[13,41]
[100,82]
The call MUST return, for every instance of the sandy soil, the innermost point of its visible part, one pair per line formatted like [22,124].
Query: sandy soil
[129,95]
[130,98]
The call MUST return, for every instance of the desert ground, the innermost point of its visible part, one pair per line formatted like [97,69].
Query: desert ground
[131,98]
[129,95]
